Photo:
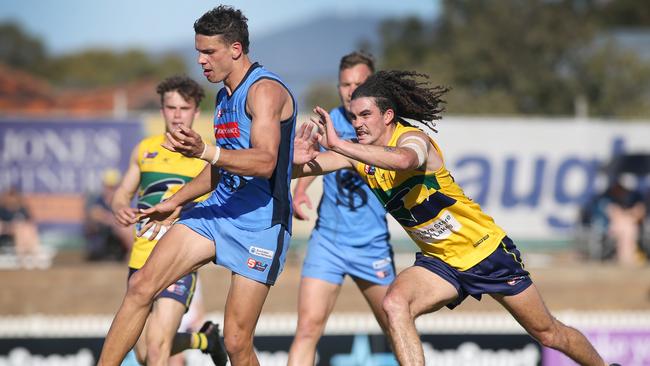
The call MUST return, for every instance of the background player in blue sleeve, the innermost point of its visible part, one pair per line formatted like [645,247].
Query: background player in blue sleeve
[245,223]
[350,237]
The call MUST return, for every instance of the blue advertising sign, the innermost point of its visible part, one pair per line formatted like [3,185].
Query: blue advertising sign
[63,156]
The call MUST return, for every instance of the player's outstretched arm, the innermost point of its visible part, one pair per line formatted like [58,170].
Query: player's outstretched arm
[307,160]
[413,150]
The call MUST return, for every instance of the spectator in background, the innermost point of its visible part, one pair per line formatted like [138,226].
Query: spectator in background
[625,212]
[17,226]
[105,238]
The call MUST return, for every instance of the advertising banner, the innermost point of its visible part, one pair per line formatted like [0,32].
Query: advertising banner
[532,175]
[334,350]
[625,347]
[63,156]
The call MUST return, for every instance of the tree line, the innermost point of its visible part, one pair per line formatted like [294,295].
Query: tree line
[533,57]
[510,57]
[83,69]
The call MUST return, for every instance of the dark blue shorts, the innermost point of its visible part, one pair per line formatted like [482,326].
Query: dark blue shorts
[181,290]
[502,272]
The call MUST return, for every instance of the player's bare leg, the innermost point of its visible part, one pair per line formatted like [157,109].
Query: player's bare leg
[243,307]
[374,295]
[140,347]
[316,299]
[161,329]
[416,291]
[180,251]
[529,310]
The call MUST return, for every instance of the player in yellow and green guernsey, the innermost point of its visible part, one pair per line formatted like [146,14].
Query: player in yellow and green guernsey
[156,173]
[463,251]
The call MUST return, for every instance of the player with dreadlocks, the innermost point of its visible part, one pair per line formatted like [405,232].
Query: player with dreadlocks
[463,251]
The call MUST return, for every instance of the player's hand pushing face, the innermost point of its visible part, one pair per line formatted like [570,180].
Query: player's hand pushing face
[329,139]
[305,145]
[185,141]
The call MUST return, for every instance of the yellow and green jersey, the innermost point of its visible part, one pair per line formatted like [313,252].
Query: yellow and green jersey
[434,211]
[162,173]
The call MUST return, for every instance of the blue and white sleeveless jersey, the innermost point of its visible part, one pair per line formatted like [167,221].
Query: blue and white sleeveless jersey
[349,213]
[252,203]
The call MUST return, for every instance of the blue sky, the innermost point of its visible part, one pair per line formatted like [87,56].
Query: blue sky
[69,25]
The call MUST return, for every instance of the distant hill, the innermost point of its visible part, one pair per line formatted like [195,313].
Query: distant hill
[308,52]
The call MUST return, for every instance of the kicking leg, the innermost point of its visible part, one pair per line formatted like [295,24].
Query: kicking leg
[316,299]
[415,291]
[180,251]
[529,310]
[243,307]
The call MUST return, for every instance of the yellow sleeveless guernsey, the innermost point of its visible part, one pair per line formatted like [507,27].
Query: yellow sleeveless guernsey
[434,211]
[162,173]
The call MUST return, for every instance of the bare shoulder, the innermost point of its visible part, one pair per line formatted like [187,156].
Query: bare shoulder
[268,88]
[268,95]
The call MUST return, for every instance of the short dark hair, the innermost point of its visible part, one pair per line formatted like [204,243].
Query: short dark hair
[357,58]
[184,85]
[227,22]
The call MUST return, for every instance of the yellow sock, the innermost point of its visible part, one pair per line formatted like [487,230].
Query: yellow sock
[195,342]
[204,342]
[199,341]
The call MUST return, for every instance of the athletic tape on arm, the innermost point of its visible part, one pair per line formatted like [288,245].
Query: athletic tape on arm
[418,145]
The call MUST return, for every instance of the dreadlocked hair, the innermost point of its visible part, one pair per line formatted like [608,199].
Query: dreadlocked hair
[408,97]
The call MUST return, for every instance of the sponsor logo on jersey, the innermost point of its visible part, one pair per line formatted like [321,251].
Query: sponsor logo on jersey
[261,252]
[369,169]
[482,240]
[232,182]
[440,229]
[150,154]
[256,265]
[159,190]
[226,130]
[222,111]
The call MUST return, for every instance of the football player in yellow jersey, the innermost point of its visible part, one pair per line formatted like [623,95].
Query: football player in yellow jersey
[156,173]
[463,252]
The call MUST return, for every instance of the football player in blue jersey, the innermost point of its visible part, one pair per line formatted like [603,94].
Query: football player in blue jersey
[350,236]
[245,224]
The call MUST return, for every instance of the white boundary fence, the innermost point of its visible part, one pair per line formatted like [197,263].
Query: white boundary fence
[51,326]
